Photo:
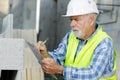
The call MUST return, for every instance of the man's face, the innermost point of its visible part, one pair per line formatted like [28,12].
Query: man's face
[80,25]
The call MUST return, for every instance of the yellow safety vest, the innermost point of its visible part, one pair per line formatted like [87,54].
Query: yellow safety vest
[84,57]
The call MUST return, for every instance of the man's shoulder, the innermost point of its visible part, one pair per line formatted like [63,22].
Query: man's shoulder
[106,42]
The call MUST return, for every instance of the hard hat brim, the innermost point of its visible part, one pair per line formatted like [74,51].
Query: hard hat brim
[78,14]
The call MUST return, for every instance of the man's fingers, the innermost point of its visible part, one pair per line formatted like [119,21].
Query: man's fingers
[47,61]
[47,69]
[40,46]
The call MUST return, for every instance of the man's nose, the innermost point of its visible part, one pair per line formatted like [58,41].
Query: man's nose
[73,23]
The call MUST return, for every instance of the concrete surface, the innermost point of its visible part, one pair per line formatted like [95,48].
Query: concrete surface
[7,27]
[15,54]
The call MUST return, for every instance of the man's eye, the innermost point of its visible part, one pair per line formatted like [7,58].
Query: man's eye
[76,20]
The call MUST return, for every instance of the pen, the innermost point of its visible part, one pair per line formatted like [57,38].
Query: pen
[45,41]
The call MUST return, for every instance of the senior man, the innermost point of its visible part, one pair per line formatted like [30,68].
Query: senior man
[86,52]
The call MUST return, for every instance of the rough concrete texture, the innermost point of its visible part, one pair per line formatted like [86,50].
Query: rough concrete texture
[28,35]
[7,31]
[11,53]
[15,54]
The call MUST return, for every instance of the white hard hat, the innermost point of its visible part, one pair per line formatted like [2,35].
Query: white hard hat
[81,7]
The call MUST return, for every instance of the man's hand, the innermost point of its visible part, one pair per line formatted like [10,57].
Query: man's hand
[48,64]
[50,67]
[42,49]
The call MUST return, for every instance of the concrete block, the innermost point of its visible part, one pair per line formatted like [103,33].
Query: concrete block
[17,56]
[27,34]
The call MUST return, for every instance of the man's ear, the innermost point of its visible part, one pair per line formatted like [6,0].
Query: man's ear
[92,19]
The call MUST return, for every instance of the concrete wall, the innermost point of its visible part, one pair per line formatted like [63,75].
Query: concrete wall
[24,13]
[24,18]
[63,23]
[48,22]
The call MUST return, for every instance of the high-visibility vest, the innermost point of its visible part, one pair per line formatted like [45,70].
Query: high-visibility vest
[84,56]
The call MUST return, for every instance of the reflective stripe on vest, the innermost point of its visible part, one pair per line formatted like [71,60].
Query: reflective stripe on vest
[84,57]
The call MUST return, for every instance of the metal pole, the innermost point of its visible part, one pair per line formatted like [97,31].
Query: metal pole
[37,15]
